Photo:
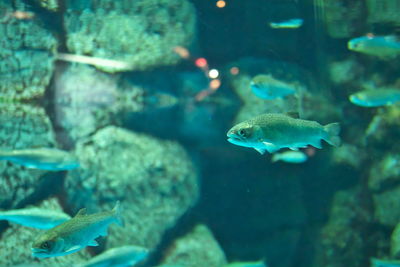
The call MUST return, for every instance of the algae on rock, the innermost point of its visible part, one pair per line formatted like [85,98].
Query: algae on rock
[154,180]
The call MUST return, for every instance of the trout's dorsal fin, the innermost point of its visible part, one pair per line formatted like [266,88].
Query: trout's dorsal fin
[81,212]
[293,114]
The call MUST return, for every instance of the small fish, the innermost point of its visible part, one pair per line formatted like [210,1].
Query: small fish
[384,263]
[287,24]
[385,47]
[271,132]
[50,159]
[267,87]
[247,264]
[375,98]
[115,65]
[75,234]
[35,217]
[290,157]
[118,257]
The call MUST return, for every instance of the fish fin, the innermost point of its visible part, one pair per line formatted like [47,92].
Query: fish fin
[317,144]
[275,158]
[117,213]
[93,243]
[293,114]
[333,130]
[260,150]
[271,148]
[73,248]
[81,212]
[294,148]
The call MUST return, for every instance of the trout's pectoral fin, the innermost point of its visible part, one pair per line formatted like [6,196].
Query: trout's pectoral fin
[260,150]
[93,243]
[271,148]
[73,249]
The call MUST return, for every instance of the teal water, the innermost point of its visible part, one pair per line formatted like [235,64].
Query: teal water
[137,97]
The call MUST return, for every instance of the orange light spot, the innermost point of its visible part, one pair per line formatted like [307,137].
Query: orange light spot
[221,4]
[370,35]
[234,70]
[201,62]
[182,52]
[215,84]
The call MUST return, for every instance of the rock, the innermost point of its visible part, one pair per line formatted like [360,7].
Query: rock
[387,206]
[395,242]
[27,55]
[383,11]
[196,249]
[22,126]
[141,33]
[16,244]
[154,180]
[343,240]
[342,19]
[385,173]
[96,99]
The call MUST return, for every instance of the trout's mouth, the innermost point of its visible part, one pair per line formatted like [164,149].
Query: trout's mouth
[233,138]
[39,253]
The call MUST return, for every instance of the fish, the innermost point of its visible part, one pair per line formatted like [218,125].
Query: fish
[35,217]
[271,132]
[267,87]
[50,159]
[385,47]
[115,65]
[75,234]
[384,263]
[375,98]
[287,24]
[247,264]
[118,257]
[290,157]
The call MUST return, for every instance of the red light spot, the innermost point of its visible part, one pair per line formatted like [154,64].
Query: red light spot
[201,62]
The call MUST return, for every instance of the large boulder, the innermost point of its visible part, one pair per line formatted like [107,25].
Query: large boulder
[154,180]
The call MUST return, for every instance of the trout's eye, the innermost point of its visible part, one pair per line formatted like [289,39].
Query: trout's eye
[242,133]
[45,245]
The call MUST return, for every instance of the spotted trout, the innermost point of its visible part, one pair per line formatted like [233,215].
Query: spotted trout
[75,234]
[271,132]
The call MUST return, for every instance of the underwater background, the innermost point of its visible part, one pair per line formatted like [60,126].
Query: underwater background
[143,92]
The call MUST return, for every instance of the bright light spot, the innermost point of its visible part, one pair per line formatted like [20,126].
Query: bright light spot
[234,70]
[370,35]
[213,73]
[215,84]
[221,3]
[182,52]
[201,62]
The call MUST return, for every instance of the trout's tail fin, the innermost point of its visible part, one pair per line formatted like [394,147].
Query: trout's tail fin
[333,130]
[117,213]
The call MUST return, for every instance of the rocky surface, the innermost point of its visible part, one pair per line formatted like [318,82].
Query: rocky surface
[141,33]
[154,180]
[27,49]
[22,127]
[197,248]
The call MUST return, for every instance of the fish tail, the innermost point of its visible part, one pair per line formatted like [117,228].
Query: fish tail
[117,213]
[333,130]
[5,154]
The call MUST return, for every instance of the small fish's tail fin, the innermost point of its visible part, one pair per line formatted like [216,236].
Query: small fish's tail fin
[4,154]
[333,130]
[117,213]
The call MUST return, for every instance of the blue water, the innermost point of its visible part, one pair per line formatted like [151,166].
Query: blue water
[142,94]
